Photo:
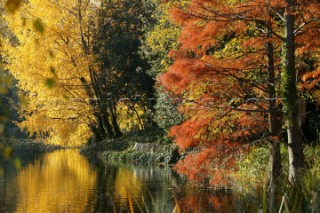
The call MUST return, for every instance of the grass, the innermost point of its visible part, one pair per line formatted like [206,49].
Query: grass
[305,197]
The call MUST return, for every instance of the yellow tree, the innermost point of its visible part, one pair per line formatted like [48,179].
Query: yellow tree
[76,66]
[49,63]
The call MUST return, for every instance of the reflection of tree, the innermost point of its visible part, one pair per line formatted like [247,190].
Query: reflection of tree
[127,187]
[59,182]
[206,202]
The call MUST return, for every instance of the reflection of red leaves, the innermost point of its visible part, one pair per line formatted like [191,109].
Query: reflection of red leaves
[205,202]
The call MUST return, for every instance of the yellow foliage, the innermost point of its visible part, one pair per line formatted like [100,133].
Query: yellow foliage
[48,62]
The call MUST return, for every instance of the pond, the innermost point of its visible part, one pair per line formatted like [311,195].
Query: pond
[66,181]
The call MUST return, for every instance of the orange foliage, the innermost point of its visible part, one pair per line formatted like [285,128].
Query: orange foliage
[221,70]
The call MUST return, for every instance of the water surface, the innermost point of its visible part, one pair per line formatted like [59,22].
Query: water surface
[66,181]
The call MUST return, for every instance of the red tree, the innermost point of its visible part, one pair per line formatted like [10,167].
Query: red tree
[227,71]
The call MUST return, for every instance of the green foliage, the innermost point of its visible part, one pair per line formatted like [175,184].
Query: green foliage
[166,114]
[255,166]
[160,40]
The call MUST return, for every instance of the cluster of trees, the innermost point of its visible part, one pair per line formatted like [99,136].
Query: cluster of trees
[230,73]
[241,69]
[80,68]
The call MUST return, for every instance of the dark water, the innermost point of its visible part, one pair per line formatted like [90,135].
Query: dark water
[65,181]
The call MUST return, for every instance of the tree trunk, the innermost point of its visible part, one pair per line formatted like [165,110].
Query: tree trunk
[275,162]
[114,119]
[275,118]
[296,157]
[108,131]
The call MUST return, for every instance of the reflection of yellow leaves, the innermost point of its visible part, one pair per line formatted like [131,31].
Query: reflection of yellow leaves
[17,163]
[127,185]
[13,5]
[7,152]
[1,172]
[61,181]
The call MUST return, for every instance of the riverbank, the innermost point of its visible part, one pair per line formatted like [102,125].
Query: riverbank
[145,146]
[9,145]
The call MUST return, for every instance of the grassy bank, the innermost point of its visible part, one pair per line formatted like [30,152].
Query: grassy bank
[153,147]
[25,145]
[252,174]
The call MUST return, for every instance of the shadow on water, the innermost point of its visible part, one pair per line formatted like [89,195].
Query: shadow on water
[65,181]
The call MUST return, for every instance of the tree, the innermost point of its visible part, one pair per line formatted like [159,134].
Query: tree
[73,87]
[73,68]
[301,24]
[122,67]
[56,107]
[159,41]
[215,64]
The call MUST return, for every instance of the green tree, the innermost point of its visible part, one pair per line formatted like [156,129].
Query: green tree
[161,39]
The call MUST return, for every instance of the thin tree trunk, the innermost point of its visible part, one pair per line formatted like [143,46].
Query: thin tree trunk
[296,157]
[275,162]
[275,118]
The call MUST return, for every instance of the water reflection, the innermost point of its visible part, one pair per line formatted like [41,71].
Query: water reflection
[58,182]
[127,187]
[141,188]
[206,201]
[65,181]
